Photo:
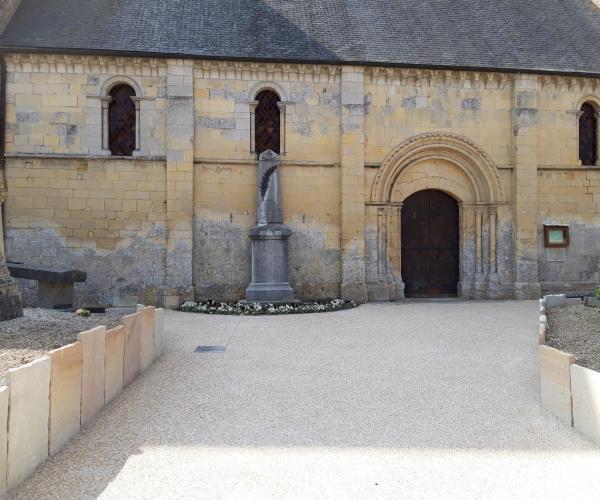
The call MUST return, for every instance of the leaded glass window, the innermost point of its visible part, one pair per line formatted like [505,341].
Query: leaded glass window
[588,135]
[267,121]
[121,121]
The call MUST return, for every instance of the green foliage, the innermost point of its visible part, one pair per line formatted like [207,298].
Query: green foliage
[598,293]
[84,313]
[257,309]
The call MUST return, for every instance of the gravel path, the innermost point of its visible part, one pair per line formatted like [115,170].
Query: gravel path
[576,330]
[415,400]
[40,331]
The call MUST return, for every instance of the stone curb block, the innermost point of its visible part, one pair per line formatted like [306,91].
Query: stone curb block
[92,372]
[159,333]
[49,400]
[585,387]
[65,395]
[555,300]
[4,397]
[113,366]
[131,359]
[569,391]
[147,317]
[555,382]
[542,333]
[29,410]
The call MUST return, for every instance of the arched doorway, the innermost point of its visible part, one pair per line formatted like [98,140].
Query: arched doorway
[430,244]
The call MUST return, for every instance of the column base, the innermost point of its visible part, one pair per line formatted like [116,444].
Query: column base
[527,291]
[354,291]
[11,302]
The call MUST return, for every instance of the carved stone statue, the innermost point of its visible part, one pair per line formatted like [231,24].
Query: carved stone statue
[270,259]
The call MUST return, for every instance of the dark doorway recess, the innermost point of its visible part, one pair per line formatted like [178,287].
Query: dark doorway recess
[430,245]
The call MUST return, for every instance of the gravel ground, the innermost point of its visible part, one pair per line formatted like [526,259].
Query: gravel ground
[42,330]
[576,330]
[414,400]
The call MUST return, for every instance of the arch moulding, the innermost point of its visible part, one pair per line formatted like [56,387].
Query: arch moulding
[481,171]
[479,192]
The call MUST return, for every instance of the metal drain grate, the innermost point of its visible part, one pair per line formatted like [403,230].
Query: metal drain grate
[210,348]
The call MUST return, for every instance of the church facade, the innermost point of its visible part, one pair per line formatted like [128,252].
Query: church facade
[397,180]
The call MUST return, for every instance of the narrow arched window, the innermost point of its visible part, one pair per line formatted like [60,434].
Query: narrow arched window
[267,123]
[121,121]
[588,135]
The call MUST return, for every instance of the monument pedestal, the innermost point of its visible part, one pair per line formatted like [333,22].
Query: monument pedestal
[270,263]
[270,259]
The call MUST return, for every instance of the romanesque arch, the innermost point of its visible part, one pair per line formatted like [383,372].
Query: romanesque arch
[479,170]
[457,166]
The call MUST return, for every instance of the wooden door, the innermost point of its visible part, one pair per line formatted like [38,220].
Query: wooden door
[430,245]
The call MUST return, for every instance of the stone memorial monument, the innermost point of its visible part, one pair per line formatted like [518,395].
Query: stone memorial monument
[270,260]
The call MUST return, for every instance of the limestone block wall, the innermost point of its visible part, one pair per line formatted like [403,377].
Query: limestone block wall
[401,103]
[48,401]
[104,217]
[55,103]
[226,168]
[225,212]
[569,194]
[173,220]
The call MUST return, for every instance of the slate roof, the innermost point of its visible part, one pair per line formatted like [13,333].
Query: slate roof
[555,36]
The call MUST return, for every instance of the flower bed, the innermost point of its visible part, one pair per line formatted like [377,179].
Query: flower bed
[258,309]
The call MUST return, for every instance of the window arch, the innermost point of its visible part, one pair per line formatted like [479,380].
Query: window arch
[588,134]
[122,121]
[267,122]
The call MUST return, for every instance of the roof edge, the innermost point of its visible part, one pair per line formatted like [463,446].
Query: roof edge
[166,55]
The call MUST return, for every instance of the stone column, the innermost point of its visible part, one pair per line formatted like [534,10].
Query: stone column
[11,302]
[180,181]
[105,103]
[493,214]
[352,162]
[525,189]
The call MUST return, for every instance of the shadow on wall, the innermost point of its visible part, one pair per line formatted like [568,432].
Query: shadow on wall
[122,277]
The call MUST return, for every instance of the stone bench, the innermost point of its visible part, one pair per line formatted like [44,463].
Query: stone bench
[55,287]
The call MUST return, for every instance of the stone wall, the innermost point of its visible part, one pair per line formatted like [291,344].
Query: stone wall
[505,146]
[105,217]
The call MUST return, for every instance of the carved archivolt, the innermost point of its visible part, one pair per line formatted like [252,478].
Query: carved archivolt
[481,171]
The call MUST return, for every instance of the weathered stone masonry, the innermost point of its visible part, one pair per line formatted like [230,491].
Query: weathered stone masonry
[172,222]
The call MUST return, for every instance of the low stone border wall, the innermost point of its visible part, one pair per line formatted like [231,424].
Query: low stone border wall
[569,391]
[45,403]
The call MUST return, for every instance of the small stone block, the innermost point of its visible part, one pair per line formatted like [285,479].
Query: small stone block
[542,333]
[585,385]
[147,315]
[65,395]
[573,301]
[3,438]
[159,332]
[55,295]
[29,411]
[555,381]
[555,300]
[92,375]
[131,359]
[115,353]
